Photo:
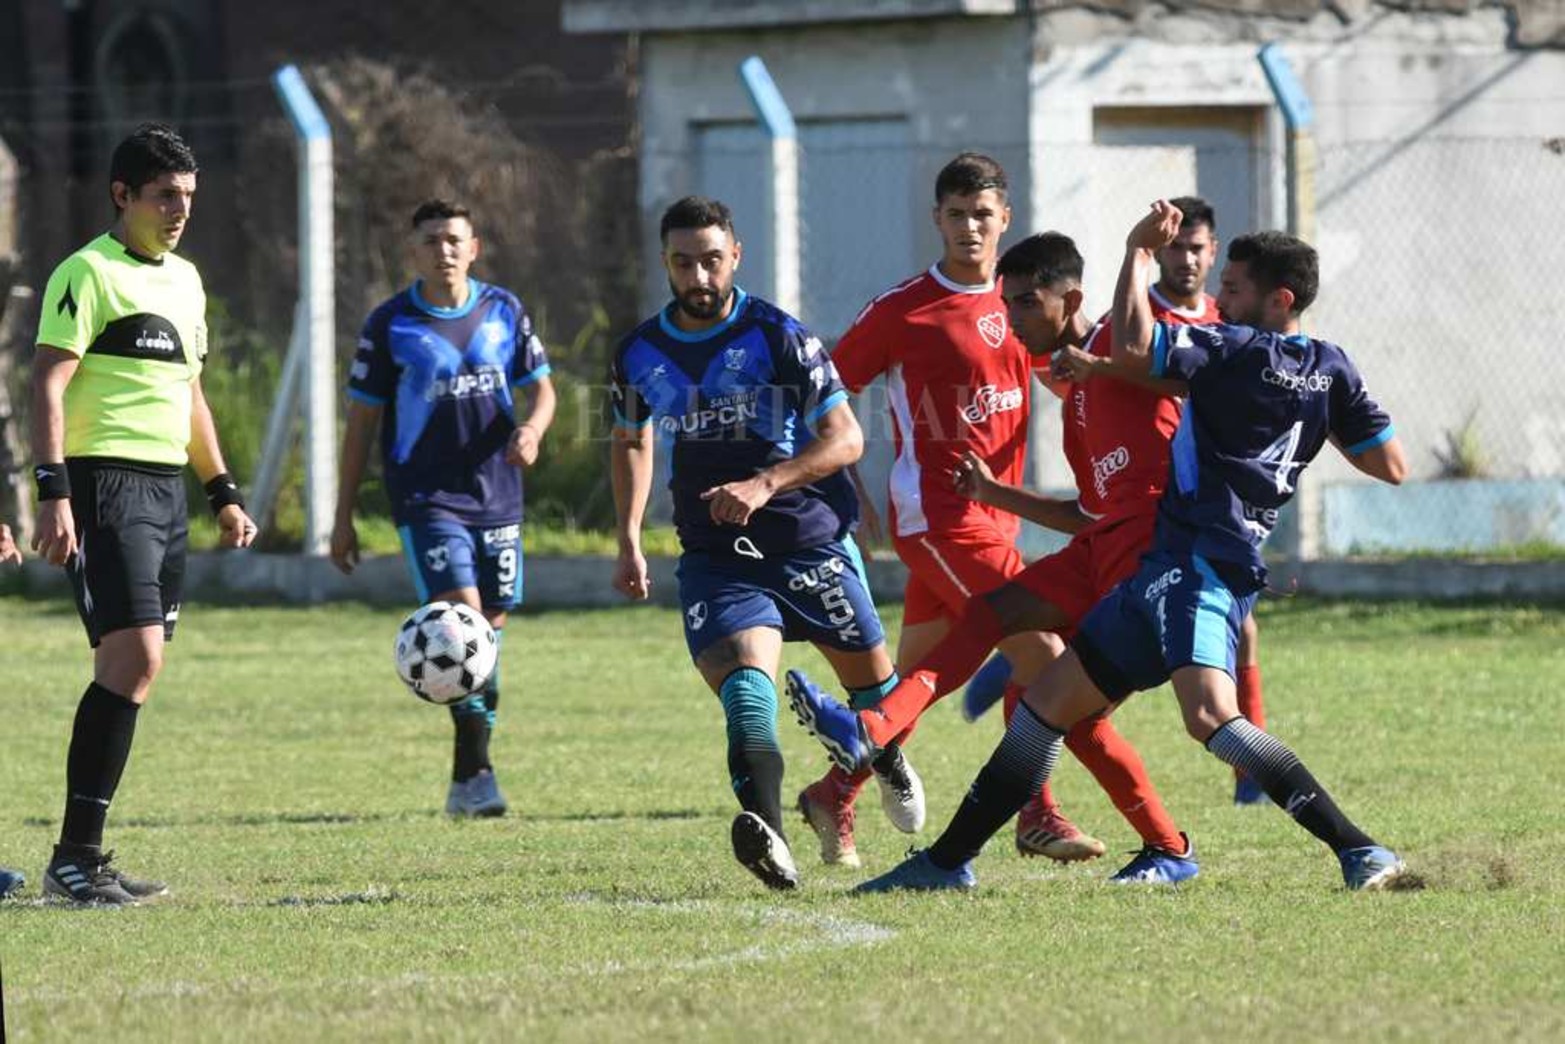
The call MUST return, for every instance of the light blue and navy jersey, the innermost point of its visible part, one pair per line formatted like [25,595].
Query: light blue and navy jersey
[731,401]
[1261,406]
[447,378]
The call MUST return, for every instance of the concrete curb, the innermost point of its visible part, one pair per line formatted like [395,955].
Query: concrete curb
[557,581]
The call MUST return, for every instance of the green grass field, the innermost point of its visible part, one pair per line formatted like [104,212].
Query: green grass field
[290,792]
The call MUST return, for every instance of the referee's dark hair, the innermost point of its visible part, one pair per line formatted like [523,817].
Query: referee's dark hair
[151,151]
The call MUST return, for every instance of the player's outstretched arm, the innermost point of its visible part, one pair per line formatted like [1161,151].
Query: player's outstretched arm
[630,470]
[974,480]
[54,529]
[1132,311]
[234,526]
[522,450]
[1385,462]
[363,420]
[838,442]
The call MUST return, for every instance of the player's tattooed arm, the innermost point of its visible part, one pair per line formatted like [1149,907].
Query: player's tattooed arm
[838,442]
[630,468]
[1132,310]
[974,480]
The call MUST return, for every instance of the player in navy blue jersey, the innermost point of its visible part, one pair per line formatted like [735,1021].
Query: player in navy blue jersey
[452,373]
[748,403]
[1263,399]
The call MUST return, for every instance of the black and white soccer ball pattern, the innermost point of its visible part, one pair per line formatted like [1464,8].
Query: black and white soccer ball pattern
[445,651]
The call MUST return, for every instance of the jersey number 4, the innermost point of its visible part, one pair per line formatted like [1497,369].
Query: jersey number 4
[1279,457]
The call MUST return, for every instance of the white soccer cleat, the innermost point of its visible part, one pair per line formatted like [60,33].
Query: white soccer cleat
[901,791]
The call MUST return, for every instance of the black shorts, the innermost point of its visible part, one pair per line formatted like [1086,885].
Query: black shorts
[131,534]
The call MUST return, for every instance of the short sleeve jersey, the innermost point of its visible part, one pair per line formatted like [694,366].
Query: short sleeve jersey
[731,401]
[1117,433]
[957,379]
[1260,407]
[138,326]
[447,378]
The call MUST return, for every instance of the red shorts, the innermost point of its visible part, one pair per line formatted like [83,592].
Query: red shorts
[945,570]
[1075,577]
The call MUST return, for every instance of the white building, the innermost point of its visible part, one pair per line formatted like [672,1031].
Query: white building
[1439,168]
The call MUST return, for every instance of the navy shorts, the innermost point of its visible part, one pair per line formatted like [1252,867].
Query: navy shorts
[131,536]
[444,555]
[819,595]
[1175,612]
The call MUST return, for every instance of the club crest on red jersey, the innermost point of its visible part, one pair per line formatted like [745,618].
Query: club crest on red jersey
[991,327]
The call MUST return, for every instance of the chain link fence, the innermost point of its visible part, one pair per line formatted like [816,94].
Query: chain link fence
[1438,275]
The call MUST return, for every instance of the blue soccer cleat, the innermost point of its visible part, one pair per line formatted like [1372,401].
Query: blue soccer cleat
[1247,792]
[986,688]
[1369,869]
[1154,865]
[476,798]
[836,726]
[11,882]
[917,873]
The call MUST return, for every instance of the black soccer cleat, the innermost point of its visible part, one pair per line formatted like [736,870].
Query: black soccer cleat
[89,878]
[762,851]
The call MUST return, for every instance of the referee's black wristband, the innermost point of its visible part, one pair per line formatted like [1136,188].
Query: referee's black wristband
[54,482]
[221,491]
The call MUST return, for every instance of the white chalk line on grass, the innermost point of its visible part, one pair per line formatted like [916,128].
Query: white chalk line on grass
[834,933]
[831,933]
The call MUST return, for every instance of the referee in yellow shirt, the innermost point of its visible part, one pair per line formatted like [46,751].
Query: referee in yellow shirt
[117,412]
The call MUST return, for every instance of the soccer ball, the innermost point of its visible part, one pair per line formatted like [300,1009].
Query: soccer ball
[445,652]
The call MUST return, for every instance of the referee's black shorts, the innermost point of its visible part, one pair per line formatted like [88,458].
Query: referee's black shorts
[131,534]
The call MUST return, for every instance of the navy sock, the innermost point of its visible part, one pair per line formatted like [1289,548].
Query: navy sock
[101,736]
[470,745]
[1286,781]
[1019,766]
[755,761]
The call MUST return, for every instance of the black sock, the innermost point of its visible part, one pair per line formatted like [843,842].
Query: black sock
[100,745]
[757,773]
[1016,770]
[470,749]
[1286,781]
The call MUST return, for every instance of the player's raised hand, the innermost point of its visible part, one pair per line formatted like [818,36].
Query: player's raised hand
[522,449]
[630,575]
[733,503]
[234,527]
[1072,364]
[9,552]
[54,531]
[1157,228]
[344,546]
[972,477]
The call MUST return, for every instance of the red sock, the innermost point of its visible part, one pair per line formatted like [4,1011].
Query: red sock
[1250,703]
[1117,767]
[846,786]
[949,664]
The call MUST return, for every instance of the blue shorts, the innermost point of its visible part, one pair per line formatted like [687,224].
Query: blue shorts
[818,596]
[1175,612]
[444,555]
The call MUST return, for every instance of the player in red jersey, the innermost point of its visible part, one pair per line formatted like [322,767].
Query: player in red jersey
[957,382]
